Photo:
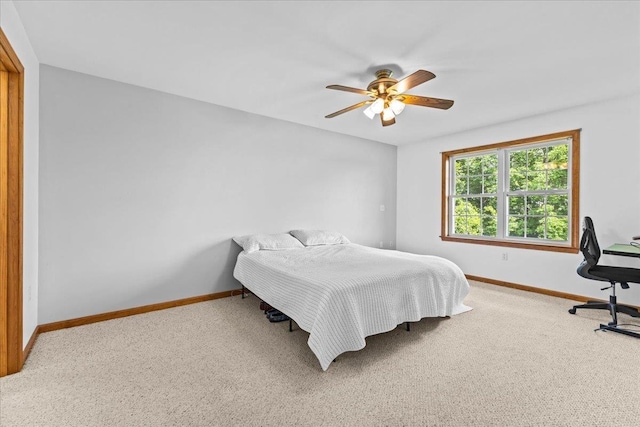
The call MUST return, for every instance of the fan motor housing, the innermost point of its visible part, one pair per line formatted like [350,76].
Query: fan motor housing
[382,82]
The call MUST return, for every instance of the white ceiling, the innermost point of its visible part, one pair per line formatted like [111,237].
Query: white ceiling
[499,61]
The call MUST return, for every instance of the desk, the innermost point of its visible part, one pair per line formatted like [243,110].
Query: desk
[622,250]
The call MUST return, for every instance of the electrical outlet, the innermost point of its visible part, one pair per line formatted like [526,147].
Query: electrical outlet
[505,256]
[381,245]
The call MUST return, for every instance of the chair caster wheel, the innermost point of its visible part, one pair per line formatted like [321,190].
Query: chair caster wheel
[572,310]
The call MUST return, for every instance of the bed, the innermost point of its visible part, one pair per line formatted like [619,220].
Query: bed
[342,293]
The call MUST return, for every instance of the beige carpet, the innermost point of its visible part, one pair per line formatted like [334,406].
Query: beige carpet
[517,359]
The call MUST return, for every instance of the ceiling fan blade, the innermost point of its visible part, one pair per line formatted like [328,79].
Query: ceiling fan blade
[423,101]
[345,110]
[412,80]
[387,122]
[350,89]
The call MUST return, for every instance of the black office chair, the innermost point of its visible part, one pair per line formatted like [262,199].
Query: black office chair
[591,270]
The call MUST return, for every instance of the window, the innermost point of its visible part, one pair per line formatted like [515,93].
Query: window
[520,193]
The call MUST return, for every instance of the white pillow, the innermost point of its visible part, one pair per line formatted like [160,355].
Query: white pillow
[319,237]
[269,242]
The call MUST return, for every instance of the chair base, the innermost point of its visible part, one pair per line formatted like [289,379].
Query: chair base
[599,305]
[619,330]
[614,308]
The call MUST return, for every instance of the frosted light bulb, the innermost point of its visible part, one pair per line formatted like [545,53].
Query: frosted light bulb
[397,106]
[387,114]
[377,106]
[369,113]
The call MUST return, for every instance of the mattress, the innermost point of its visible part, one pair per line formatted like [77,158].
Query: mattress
[342,294]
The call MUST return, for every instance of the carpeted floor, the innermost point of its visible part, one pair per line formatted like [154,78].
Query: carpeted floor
[517,359]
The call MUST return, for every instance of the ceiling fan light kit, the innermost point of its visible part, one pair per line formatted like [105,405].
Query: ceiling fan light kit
[388,97]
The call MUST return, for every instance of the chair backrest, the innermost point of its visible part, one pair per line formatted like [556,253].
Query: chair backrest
[589,243]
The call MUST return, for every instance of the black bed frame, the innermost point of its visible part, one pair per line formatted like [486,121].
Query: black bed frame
[244,290]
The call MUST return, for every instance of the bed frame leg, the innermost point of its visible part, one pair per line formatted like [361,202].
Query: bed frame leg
[242,291]
[408,327]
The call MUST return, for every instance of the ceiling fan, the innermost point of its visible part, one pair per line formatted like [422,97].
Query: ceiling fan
[388,97]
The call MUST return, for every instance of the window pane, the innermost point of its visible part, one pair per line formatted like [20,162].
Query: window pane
[535,227]
[461,184]
[459,225]
[460,206]
[490,206]
[490,183]
[558,228]
[517,170]
[517,180]
[473,207]
[516,226]
[489,225]
[535,159]
[516,205]
[518,159]
[557,205]
[535,205]
[558,157]
[461,167]
[536,181]
[474,225]
[558,179]
[490,164]
[475,165]
[475,184]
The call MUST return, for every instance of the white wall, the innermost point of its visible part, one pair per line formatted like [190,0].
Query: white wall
[12,27]
[141,192]
[609,193]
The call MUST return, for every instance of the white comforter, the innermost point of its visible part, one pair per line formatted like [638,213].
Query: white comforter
[341,294]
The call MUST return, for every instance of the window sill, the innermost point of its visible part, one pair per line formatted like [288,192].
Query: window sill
[510,244]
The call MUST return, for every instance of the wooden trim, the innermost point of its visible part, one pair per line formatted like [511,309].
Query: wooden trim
[120,313]
[575,194]
[71,323]
[444,199]
[534,289]
[8,56]
[575,189]
[11,193]
[4,211]
[29,346]
[550,248]
[504,144]
[14,229]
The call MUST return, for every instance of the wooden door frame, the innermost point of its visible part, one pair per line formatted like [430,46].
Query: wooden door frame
[11,196]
